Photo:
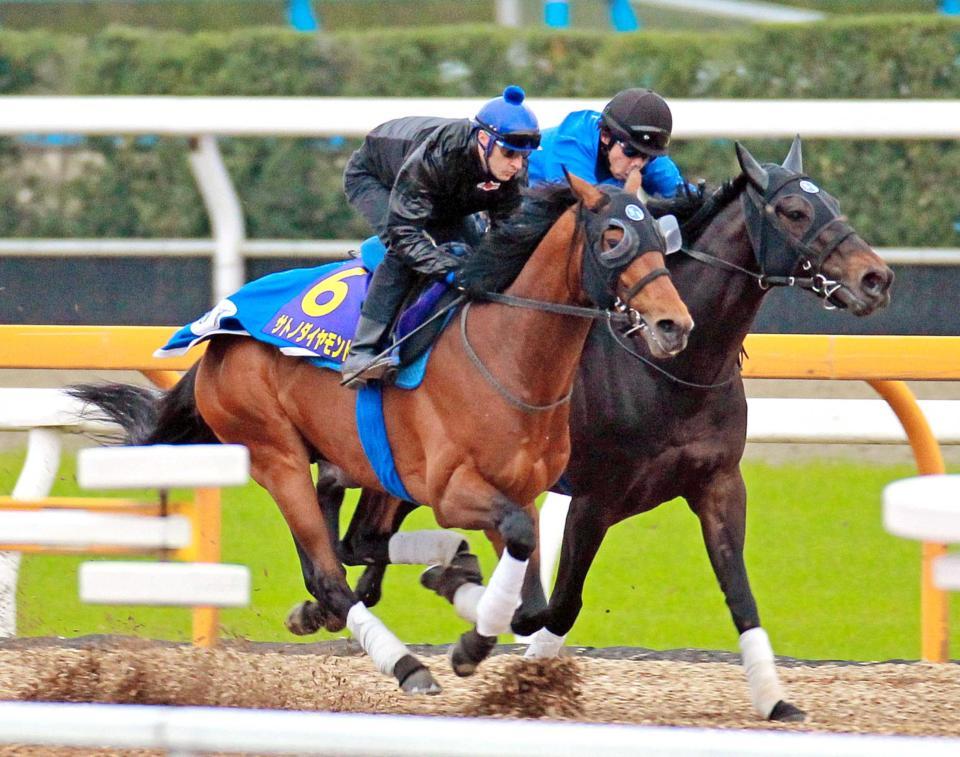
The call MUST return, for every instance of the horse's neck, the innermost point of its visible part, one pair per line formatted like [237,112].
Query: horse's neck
[548,344]
[723,302]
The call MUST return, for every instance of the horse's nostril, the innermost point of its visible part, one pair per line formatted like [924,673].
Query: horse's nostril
[668,327]
[876,282]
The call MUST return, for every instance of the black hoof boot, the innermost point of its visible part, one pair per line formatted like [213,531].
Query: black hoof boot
[464,568]
[414,677]
[784,712]
[469,651]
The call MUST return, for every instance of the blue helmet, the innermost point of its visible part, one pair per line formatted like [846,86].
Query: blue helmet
[511,123]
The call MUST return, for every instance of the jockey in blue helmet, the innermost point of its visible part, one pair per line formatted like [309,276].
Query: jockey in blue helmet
[419,181]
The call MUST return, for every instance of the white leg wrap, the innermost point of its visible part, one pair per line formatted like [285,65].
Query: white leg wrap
[545,644]
[553,517]
[466,599]
[501,597]
[758,664]
[384,648]
[424,547]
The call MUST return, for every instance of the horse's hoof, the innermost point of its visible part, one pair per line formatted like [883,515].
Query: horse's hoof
[368,588]
[784,712]
[420,682]
[446,579]
[301,621]
[470,650]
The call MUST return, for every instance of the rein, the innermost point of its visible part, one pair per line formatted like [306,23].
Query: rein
[491,379]
[676,379]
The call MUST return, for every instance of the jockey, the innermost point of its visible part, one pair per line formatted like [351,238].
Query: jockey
[417,181]
[631,133]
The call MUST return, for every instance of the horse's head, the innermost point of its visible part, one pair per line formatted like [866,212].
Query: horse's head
[800,238]
[623,260]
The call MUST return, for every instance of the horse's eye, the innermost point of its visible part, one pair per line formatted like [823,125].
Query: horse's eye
[795,215]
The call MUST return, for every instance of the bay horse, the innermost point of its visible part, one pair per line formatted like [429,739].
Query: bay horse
[483,435]
[644,432]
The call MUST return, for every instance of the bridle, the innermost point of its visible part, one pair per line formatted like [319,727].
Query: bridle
[615,261]
[762,221]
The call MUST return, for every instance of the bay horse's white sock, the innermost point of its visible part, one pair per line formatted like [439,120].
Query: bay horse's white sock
[425,547]
[377,640]
[545,644]
[501,597]
[758,664]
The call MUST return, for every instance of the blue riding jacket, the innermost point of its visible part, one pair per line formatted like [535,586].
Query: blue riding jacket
[575,143]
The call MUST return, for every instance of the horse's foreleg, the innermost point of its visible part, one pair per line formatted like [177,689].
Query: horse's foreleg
[472,503]
[721,507]
[582,536]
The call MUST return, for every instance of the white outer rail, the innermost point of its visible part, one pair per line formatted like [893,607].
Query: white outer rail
[204,118]
[198,730]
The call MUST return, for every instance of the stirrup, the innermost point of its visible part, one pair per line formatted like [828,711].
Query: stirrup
[378,369]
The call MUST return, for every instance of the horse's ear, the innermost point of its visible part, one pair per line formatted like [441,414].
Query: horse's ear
[634,182]
[794,159]
[755,172]
[588,194]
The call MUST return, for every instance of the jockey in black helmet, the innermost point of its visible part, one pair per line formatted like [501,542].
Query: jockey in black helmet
[417,181]
[631,133]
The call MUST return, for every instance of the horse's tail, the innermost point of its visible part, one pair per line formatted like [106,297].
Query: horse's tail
[148,416]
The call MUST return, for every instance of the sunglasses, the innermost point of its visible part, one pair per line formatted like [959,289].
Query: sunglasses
[628,149]
[510,153]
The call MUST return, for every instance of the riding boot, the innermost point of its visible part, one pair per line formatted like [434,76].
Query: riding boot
[363,355]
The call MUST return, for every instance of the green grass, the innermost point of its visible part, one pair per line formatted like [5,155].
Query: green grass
[830,583]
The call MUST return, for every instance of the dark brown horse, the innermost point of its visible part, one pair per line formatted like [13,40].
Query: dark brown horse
[645,431]
[485,433]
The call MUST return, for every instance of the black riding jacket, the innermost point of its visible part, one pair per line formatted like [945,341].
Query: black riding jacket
[437,180]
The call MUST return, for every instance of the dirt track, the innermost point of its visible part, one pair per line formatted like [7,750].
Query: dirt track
[685,688]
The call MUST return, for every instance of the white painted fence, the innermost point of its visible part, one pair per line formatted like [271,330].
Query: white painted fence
[205,118]
[199,730]
[183,533]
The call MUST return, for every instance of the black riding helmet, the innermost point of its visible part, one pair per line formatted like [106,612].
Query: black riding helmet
[641,118]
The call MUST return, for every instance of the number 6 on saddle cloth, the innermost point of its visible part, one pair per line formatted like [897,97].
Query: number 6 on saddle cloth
[312,313]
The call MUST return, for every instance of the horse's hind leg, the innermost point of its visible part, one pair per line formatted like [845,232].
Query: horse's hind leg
[279,461]
[721,507]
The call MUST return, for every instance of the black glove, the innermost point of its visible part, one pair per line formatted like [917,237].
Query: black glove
[444,259]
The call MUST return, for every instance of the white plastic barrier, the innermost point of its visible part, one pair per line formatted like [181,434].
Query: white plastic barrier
[201,730]
[34,521]
[171,584]
[192,584]
[927,509]
[45,414]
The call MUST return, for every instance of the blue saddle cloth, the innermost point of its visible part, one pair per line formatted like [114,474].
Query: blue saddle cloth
[312,313]
[305,312]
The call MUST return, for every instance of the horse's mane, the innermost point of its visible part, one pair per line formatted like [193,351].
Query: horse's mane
[695,211]
[504,251]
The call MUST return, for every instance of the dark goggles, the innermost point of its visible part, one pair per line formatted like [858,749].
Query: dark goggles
[642,140]
[519,141]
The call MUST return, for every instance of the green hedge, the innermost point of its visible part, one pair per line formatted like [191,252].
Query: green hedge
[292,187]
